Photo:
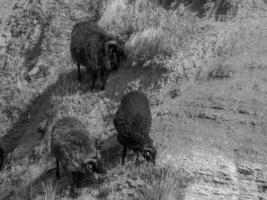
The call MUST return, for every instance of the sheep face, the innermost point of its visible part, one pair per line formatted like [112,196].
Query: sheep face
[150,154]
[93,165]
[89,166]
[114,54]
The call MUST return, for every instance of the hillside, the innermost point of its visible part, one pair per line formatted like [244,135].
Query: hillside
[202,64]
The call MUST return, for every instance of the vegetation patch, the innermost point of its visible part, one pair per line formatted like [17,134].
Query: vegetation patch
[145,182]
[221,72]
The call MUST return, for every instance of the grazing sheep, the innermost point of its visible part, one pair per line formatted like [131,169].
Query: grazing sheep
[97,50]
[74,150]
[132,122]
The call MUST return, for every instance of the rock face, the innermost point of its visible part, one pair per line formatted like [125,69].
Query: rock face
[216,177]
[217,132]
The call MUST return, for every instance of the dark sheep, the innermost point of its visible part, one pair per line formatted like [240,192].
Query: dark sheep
[132,122]
[97,50]
[74,151]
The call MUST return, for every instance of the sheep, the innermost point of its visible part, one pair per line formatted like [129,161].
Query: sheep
[74,150]
[97,50]
[132,122]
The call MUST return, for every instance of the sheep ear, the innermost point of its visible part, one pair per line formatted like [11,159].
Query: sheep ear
[148,149]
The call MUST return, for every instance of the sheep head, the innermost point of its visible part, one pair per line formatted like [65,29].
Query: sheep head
[114,52]
[149,153]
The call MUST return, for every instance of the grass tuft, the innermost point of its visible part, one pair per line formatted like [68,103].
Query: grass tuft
[146,44]
[150,31]
[147,182]
[165,184]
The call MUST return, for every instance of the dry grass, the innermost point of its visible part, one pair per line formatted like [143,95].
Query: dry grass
[151,31]
[27,25]
[145,182]
[166,184]
[49,190]
[147,44]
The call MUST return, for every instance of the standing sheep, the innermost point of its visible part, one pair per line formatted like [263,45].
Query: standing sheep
[97,50]
[132,122]
[74,150]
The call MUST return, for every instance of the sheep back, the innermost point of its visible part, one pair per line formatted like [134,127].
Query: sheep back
[71,144]
[133,120]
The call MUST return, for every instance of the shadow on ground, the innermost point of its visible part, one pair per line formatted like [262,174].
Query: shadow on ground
[24,134]
[126,77]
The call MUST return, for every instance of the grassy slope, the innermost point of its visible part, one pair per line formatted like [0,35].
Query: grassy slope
[204,124]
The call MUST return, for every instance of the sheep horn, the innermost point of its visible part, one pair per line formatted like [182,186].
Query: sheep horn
[109,43]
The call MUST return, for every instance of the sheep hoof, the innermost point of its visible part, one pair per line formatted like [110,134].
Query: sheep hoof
[72,193]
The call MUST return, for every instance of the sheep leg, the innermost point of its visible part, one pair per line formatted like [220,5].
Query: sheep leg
[79,72]
[72,192]
[137,161]
[70,180]
[123,155]
[57,171]
[77,176]
[94,76]
[104,76]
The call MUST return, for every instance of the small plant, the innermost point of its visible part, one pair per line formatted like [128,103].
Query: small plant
[151,32]
[146,44]
[49,191]
[165,184]
[148,182]
[220,72]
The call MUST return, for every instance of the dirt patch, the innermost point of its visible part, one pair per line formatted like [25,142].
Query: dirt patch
[134,78]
